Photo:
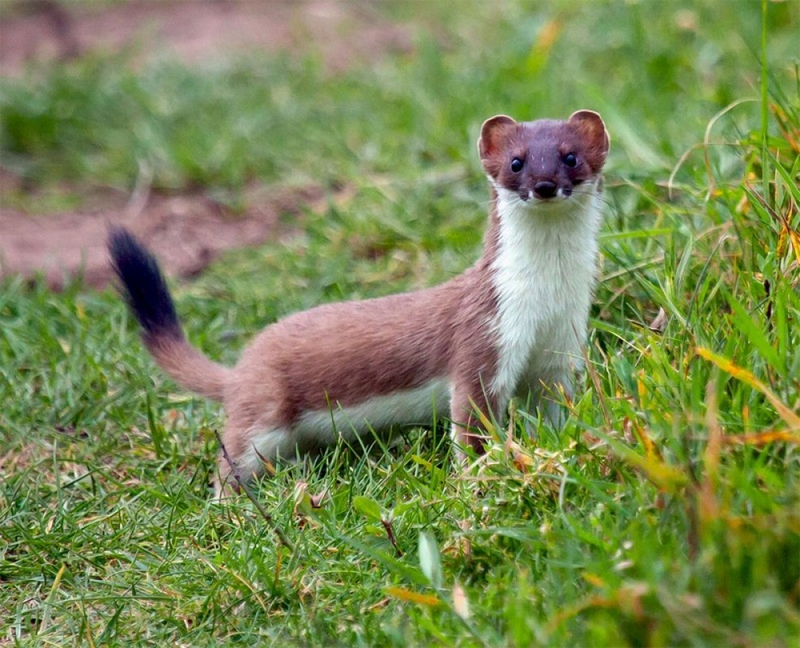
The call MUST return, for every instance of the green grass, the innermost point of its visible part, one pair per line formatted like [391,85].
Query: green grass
[656,516]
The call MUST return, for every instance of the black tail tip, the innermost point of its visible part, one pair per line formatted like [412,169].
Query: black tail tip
[143,284]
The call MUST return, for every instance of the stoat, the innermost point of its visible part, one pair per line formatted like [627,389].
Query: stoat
[513,324]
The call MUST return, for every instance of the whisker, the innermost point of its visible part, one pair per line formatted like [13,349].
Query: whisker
[600,195]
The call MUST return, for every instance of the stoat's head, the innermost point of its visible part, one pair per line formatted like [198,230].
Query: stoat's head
[544,160]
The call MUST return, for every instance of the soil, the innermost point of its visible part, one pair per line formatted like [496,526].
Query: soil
[187,231]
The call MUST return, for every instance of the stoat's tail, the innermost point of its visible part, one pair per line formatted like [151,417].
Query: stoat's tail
[148,297]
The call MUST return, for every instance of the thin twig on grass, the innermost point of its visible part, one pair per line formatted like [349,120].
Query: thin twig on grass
[242,484]
[387,524]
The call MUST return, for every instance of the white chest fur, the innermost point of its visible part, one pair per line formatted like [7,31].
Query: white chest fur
[544,275]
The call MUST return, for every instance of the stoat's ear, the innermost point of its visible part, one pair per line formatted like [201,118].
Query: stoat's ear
[593,131]
[494,135]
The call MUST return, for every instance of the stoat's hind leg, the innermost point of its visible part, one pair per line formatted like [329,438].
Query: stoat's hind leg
[245,453]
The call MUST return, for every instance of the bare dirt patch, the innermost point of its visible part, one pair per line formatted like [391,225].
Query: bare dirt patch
[188,231]
[197,30]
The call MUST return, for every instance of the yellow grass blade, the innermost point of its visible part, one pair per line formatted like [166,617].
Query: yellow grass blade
[413,597]
[650,448]
[748,378]
[656,470]
[794,237]
[762,438]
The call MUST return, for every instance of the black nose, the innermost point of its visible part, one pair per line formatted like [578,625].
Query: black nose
[545,189]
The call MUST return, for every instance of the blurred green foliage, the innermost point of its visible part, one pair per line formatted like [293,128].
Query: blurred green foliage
[664,513]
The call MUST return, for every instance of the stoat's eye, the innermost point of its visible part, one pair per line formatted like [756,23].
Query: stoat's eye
[570,160]
[516,165]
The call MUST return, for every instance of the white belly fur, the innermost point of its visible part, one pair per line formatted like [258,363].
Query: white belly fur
[408,407]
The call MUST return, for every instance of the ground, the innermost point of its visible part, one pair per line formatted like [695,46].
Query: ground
[189,230]
[665,510]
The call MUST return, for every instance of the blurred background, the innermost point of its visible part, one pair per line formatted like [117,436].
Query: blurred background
[207,125]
